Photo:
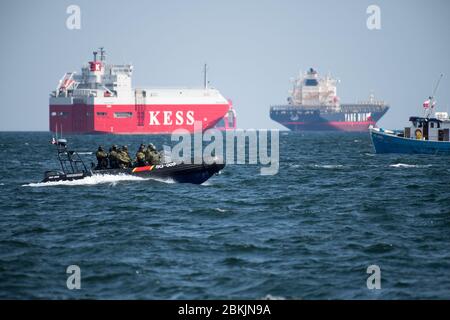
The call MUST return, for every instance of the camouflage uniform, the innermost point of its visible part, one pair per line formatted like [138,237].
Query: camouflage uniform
[113,157]
[151,155]
[140,156]
[102,158]
[124,158]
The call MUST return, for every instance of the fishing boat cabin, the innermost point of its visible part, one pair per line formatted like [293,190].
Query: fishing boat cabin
[432,129]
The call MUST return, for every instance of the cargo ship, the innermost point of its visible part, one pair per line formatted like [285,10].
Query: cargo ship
[102,100]
[314,105]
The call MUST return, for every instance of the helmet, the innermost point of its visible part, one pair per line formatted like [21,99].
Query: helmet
[125,148]
[100,148]
[151,146]
[114,147]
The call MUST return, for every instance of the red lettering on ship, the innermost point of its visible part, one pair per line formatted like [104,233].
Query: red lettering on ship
[167,118]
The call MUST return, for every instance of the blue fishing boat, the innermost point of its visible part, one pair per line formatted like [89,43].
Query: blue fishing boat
[426,135]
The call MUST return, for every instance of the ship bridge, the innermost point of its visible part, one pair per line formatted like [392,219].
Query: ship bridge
[311,90]
[97,79]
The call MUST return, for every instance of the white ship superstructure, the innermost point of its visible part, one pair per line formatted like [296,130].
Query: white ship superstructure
[311,90]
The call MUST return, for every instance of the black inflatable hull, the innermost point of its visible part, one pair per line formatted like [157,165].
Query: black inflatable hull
[181,173]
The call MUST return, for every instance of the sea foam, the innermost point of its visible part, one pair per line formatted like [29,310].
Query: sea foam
[405,165]
[96,179]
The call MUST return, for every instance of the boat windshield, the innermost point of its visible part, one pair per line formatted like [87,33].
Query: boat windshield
[70,161]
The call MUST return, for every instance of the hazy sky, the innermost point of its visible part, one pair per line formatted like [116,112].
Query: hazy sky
[252,48]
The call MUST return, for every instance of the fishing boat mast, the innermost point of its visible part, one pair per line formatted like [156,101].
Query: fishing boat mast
[431,101]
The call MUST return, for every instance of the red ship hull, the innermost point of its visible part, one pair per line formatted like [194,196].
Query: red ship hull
[134,119]
[347,126]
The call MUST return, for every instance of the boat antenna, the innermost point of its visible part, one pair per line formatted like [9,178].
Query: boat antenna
[437,85]
[205,76]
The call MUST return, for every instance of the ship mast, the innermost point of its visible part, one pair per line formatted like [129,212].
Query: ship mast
[102,54]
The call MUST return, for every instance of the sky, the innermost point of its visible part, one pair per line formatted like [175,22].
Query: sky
[252,48]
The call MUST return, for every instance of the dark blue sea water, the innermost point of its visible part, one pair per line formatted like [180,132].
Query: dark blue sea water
[308,232]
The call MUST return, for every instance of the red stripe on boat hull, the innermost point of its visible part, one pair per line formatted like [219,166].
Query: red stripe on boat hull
[355,126]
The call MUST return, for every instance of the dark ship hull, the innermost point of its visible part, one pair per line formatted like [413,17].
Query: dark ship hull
[349,117]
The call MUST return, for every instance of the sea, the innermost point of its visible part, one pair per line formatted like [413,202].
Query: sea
[335,216]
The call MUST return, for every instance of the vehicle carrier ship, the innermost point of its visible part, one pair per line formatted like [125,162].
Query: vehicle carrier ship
[102,100]
[314,105]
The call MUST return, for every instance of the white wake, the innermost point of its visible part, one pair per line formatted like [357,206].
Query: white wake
[96,179]
[328,166]
[405,165]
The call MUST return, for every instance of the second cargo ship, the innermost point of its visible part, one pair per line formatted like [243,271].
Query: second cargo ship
[314,105]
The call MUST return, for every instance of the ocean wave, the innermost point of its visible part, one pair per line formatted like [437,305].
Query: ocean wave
[405,165]
[328,166]
[166,180]
[271,297]
[96,179]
